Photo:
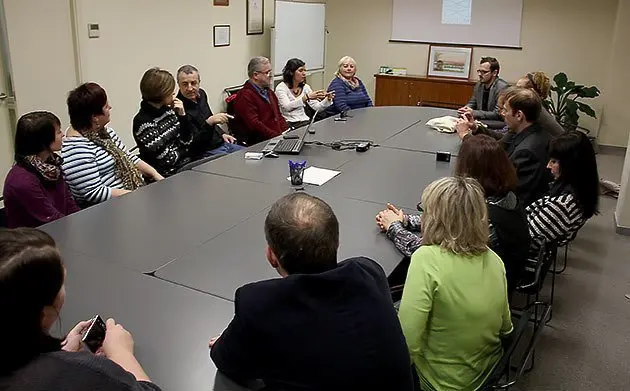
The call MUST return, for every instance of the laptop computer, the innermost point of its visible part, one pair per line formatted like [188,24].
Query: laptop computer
[289,146]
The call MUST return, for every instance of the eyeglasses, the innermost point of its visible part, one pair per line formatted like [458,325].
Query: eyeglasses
[482,71]
[419,207]
[268,73]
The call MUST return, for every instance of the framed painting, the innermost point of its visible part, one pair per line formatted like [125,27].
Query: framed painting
[449,61]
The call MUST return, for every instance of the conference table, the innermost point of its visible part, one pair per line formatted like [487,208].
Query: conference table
[166,259]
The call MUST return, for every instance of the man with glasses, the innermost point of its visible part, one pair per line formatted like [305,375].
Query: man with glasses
[256,111]
[483,103]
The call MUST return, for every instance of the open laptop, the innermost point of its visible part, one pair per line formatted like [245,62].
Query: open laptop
[289,146]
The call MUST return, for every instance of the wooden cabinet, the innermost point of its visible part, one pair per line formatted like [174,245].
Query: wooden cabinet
[422,91]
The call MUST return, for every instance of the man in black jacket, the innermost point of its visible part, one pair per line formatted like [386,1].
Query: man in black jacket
[208,138]
[324,325]
[525,143]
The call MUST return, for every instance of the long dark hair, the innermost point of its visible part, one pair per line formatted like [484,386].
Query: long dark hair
[289,70]
[578,168]
[483,158]
[34,133]
[31,276]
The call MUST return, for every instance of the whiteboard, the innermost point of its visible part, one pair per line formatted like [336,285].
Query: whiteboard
[460,22]
[299,32]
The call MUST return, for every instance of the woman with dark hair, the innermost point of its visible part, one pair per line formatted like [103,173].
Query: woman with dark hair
[573,196]
[96,163]
[482,158]
[32,294]
[35,191]
[294,94]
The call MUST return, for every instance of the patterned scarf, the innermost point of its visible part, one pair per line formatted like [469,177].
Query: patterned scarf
[124,167]
[352,83]
[50,169]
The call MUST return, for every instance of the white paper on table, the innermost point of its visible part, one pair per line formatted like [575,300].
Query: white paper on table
[318,176]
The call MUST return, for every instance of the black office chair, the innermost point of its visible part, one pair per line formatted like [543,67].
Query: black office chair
[195,163]
[501,377]
[532,287]
[566,244]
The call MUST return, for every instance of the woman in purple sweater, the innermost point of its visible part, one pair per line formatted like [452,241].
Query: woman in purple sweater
[35,191]
[350,92]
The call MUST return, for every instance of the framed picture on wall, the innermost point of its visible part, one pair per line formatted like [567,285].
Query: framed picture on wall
[449,61]
[222,2]
[221,35]
[255,17]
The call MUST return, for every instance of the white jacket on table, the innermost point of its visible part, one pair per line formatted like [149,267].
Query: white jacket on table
[292,107]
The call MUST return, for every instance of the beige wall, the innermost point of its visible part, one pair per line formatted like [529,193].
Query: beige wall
[557,35]
[139,34]
[616,115]
[615,122]
[42,54]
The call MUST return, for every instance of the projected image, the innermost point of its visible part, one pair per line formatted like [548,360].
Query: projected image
[449,61]
[456,11]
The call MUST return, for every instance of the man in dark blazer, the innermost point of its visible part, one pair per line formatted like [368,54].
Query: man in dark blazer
[324,325]
[483,103]
[526,143]
[256,111]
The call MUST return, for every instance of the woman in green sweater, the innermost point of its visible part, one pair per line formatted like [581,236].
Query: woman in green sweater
[454,309]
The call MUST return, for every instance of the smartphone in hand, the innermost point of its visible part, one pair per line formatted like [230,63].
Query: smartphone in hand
[95,334]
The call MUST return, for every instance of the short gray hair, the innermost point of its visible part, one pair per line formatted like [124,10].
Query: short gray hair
[187,69]
[255,65]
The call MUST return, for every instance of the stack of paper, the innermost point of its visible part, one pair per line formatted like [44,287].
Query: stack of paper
[318,176]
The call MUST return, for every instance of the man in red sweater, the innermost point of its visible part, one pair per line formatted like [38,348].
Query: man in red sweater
[256,111]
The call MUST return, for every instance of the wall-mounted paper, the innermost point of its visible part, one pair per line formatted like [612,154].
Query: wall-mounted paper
[456,11]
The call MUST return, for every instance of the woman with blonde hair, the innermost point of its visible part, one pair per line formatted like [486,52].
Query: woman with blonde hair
[349,90]
[540,83]
[454,309]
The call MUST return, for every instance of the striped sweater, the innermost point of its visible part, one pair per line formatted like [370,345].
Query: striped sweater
[552,219]
[90,170]
[163,137]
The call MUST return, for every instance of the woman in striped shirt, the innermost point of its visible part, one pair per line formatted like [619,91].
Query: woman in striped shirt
[572,198]
[96,163]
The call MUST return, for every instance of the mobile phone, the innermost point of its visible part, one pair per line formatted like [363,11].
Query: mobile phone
[443,157]
[95,334]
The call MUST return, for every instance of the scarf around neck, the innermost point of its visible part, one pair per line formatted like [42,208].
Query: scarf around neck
[49,169]
[125,169]
[352,83]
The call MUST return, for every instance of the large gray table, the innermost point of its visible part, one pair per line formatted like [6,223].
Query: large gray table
[388,175]
[420,137]
[156,224]
[204,230]
[373,123]
[237,256]
[171,325]
[275,170]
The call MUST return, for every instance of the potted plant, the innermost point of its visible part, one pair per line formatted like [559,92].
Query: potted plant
[565,104]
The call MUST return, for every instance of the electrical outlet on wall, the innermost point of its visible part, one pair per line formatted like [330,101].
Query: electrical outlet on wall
[93,30]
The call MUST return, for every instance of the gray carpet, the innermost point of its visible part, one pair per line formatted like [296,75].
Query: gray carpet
[586,346]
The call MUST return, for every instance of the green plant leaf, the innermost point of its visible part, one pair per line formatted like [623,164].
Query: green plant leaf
[589,92]
[561,79]
[586,109]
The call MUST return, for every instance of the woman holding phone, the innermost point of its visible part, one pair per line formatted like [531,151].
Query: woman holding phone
[294,94]
[32,294]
